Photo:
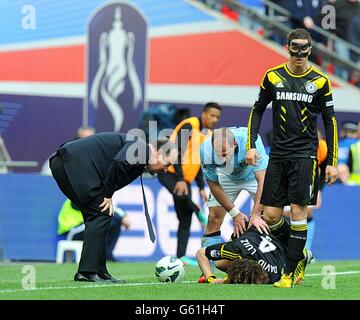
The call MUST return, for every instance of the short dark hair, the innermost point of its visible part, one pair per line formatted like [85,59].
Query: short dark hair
[299,34]
[164,144]
[246,271]
[210,105]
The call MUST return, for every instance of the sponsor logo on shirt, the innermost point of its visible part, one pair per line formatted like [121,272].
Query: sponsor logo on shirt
[294,96]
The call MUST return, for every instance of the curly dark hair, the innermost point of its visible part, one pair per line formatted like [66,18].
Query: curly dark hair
[246,271]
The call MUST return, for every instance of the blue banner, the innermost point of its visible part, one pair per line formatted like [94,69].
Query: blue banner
[29,206]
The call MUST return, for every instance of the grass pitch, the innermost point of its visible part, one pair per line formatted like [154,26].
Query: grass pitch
[55,282]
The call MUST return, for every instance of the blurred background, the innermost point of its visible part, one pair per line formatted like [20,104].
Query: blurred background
[113,66]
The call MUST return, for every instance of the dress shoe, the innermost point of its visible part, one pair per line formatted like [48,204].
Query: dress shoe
[109,278]
[88,277]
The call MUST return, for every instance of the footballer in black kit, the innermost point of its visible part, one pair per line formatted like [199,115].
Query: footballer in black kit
[265,251]
[297,101]
[299,93]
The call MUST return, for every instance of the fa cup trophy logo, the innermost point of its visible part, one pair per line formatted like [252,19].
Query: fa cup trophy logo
[116,79]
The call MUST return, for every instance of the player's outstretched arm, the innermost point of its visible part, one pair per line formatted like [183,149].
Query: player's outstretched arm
[204,263]
[255,216]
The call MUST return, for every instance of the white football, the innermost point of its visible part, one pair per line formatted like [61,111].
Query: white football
[169,269]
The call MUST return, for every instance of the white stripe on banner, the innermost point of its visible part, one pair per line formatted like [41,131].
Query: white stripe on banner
[44,44]
[48,89]
[192,28]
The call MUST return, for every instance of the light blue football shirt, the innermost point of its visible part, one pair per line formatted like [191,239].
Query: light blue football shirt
[237,169]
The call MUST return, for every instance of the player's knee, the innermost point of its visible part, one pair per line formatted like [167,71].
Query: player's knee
[213,225]
[215,218]
[298,212]
[272,216]
[272,220]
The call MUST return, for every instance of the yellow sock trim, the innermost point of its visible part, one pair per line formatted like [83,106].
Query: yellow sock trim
[277,225]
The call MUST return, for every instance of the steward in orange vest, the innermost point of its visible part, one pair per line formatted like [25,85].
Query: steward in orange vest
[188,135]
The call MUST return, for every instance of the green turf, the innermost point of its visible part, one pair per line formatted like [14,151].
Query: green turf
[55,282]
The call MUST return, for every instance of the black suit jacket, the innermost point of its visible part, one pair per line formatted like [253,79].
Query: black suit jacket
[103,163]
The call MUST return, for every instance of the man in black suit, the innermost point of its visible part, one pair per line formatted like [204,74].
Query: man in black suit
[89,170]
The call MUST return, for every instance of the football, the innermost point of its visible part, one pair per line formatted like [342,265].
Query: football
[169,269]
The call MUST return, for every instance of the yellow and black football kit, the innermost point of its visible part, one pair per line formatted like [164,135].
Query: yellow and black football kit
[297,100]
[267,250]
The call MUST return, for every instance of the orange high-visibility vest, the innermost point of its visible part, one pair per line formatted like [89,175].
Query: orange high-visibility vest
[191,156]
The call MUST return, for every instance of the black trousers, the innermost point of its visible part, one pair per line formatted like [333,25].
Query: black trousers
[184,208]
[112,237]
[93,256]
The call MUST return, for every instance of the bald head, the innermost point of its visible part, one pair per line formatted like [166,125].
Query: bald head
[224,143]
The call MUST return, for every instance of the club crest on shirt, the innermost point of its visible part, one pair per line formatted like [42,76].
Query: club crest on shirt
[310,87]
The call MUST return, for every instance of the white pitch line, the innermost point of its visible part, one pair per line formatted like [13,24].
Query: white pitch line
[332,273]
[150,283]
[90,286]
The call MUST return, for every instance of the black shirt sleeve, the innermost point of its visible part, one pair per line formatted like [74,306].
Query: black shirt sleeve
[326,104]
[264,98]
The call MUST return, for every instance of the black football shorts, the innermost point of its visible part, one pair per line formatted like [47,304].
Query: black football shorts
[290,181]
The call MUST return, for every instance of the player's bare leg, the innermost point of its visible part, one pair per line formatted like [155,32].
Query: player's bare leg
[273,216]
[216,218]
